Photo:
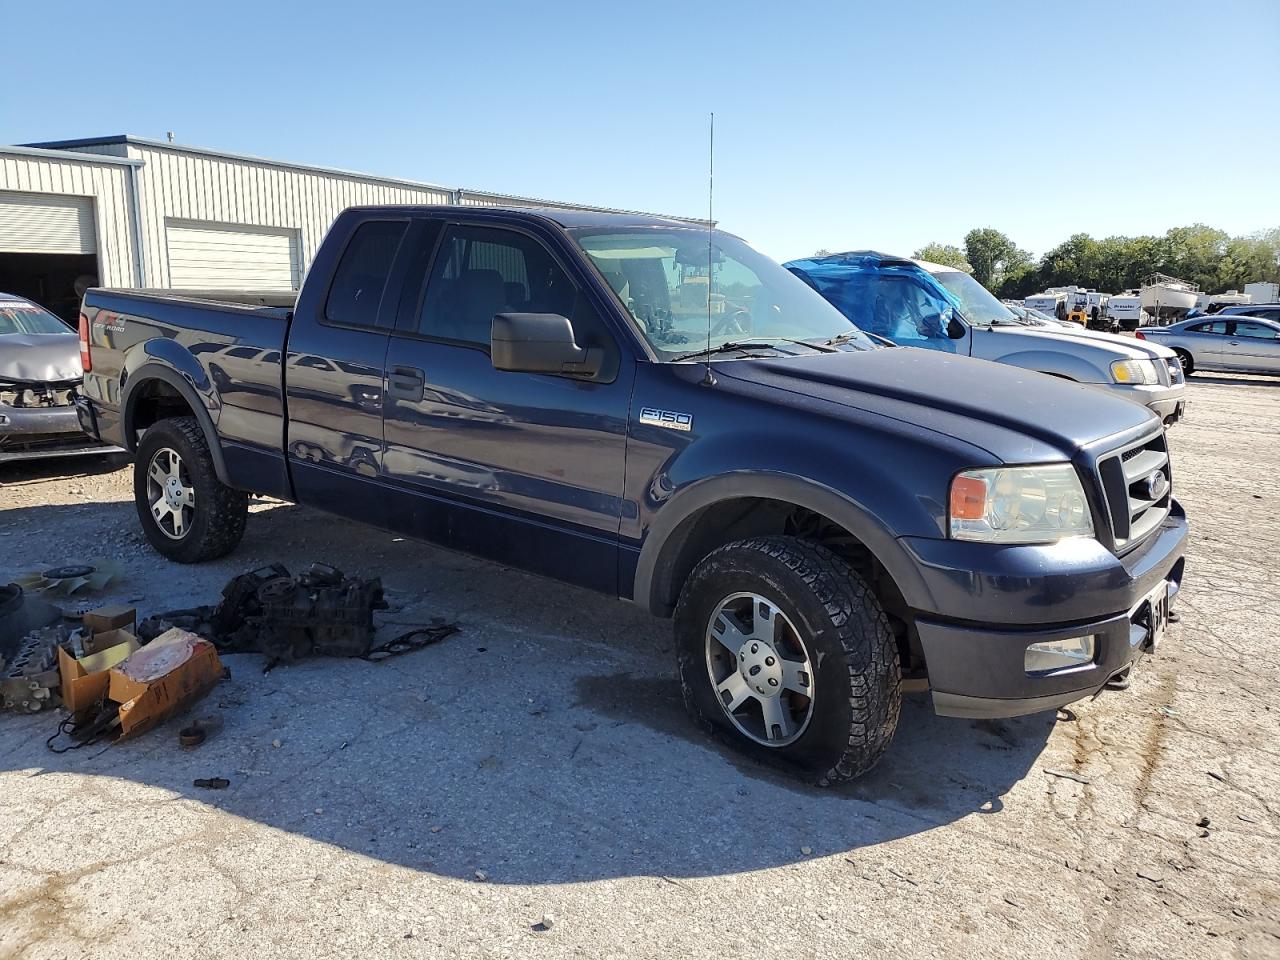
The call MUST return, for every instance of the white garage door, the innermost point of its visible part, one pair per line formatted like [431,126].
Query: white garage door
[46,223]
[228,256]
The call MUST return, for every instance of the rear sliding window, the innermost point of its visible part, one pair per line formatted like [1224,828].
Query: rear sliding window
[361,277]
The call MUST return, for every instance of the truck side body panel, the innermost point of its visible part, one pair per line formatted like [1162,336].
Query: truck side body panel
[224,359]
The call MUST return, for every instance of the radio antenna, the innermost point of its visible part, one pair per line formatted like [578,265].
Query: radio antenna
[711,188]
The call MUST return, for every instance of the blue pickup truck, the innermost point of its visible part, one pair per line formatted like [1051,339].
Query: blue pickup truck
[656,411]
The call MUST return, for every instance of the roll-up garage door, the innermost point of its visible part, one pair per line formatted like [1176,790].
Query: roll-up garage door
[46,223]
[228,256]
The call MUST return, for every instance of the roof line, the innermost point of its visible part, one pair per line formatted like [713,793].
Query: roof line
[53,154]
[50,146]
[228,155]
[561,205]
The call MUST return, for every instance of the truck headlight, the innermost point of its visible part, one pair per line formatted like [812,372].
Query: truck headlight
[1135,371]
[1037,504]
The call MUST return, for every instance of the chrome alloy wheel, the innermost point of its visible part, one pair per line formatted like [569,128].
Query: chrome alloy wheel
[170,494]
[760,668]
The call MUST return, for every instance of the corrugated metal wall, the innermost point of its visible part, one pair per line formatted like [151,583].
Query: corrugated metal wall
[200,188]
[107,184]
[178,184]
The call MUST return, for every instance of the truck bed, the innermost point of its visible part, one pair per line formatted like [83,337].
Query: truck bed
[227,347]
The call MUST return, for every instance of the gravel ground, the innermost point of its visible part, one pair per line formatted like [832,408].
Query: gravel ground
[539,763]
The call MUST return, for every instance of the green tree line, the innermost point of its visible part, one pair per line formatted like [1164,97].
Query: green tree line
[1211,258]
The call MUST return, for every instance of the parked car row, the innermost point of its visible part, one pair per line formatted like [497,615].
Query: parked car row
[655,411]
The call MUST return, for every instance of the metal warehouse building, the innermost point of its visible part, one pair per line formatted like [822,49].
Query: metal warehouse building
[129,212]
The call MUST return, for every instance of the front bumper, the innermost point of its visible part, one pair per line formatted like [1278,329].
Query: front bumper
[1017,596]
[28,433]
[1169,403]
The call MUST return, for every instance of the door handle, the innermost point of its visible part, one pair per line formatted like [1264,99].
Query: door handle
[406,383]
[1235,343]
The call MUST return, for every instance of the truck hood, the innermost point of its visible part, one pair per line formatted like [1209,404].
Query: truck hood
[40,357]
[1119,348]
[975,401]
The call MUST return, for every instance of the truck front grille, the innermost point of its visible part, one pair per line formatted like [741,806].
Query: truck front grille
[1138,485]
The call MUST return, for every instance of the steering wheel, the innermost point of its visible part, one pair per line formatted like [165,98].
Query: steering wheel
[739,321]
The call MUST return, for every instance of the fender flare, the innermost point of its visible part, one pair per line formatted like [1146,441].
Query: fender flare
[655,554]
[149,372]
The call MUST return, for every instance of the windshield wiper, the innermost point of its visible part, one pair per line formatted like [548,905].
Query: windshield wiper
[732,346]
[842,338]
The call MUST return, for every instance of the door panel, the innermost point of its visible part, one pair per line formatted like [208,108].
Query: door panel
[334,372]
[526,469]
[1250,345]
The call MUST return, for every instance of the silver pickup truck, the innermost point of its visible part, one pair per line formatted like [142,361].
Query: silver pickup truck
[921,304]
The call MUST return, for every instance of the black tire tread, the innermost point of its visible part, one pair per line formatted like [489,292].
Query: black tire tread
[862,630]
[226,510]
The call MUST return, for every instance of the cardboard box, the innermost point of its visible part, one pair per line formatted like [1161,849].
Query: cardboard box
[104,619]
[84,681]
[162,679]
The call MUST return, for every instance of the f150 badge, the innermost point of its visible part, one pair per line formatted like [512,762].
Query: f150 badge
[669,419]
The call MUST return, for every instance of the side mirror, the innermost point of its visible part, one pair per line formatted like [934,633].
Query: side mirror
[956,328]
[540,343]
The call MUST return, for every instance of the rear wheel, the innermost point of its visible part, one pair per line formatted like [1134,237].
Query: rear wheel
[1184,358]
[187,513]
[785,652]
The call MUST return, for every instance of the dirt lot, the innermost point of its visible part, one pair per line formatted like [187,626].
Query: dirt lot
[544,746]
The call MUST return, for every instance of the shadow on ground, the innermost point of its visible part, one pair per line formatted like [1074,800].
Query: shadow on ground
[544,743]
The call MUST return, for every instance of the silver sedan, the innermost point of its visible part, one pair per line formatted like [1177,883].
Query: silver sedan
[1235,344]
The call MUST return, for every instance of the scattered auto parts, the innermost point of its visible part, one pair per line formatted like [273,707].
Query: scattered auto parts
[321,612]
[19,615]
[70,579]
[31,680]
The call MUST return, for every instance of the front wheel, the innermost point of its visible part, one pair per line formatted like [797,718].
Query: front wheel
[187,513]
[1184,358]
[786,652]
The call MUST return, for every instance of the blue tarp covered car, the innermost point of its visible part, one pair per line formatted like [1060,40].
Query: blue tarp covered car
[919,304]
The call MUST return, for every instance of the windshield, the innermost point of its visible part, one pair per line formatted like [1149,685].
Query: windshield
[661,276]
[19,316]
[977,303]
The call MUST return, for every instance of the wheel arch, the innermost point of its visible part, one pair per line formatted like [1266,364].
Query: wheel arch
[154,392]
[721,509]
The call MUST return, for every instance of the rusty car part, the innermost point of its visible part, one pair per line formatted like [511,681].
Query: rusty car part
[31,680]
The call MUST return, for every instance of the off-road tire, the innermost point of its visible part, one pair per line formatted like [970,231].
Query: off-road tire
[1188,363]
[220,511]
[857,676]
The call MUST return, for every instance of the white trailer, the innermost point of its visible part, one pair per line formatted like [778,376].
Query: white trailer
[1263,292]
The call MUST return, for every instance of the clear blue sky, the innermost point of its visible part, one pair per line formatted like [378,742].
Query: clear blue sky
[839,125]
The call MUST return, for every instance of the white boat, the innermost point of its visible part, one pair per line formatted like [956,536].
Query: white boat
[1213,302]
[1168,298]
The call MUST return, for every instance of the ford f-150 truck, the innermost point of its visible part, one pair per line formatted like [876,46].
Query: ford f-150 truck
[655,411]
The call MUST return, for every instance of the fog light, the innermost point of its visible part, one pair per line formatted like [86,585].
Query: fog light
[1058,654]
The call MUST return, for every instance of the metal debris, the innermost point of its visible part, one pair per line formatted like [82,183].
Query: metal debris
[320,612]
[212,783]
[30,681]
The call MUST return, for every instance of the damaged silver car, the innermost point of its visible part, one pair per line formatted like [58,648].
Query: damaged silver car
[39,373]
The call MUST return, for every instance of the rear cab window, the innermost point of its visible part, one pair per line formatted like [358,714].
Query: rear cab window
[360,280]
